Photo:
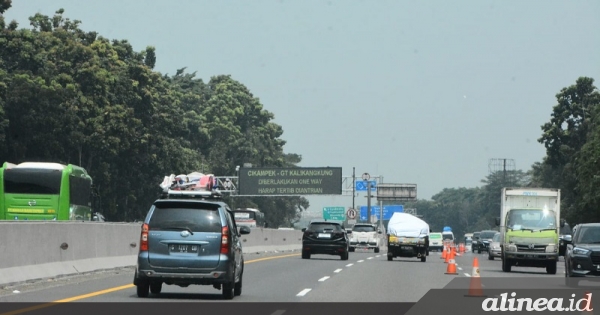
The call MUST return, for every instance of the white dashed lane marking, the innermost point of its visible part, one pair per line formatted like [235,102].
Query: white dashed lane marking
[360,261]
[303,292]
[349,265]
[337,270]
[323,279]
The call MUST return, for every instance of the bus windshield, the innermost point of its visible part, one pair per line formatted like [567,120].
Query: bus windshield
[32,181]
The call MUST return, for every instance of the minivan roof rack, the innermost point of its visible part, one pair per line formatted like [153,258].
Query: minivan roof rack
[192,194]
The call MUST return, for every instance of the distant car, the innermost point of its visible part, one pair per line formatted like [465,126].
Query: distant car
[435,241]
[475,242]
[325,237]
[494,249]
[468,241]
[564,238]
[448,236]
[190,241]
[485,239]
[582,256]
[365,236]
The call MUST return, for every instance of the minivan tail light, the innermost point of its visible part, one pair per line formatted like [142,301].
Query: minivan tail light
[144,238]
[225,240]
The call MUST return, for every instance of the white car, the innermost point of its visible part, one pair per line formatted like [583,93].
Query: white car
[365,236]
[435,241]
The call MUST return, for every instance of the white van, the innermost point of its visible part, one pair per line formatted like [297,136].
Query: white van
[448,236]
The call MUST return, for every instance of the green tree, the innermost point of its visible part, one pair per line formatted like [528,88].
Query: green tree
[564,136]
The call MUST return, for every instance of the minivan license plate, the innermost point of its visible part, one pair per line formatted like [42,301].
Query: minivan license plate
[183,248]
[324,235]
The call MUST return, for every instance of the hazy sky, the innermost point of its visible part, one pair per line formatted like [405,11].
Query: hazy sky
[422,92]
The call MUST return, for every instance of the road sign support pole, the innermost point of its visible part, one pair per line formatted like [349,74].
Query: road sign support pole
[368,201]
[353,186]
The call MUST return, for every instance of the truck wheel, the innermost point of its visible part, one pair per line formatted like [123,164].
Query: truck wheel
[479,251]
[377,249]
[423,258]
[351,249]
[506,267]
[490,257]
[551,268]
[390,257]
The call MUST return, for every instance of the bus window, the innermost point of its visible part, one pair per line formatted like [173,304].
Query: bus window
[32,181]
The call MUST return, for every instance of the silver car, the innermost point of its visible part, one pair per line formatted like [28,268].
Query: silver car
[190,241]
[494,250]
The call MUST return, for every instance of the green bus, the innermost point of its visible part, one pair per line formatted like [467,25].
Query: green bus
[45,191]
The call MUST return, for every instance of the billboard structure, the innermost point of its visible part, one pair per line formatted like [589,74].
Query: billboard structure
[396,192]
[294,181]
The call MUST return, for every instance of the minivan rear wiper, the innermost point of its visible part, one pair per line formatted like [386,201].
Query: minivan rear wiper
[178,228]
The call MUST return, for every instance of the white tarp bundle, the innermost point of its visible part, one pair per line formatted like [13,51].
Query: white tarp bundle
[407,225]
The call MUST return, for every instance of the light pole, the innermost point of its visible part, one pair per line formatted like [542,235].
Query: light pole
[237,179]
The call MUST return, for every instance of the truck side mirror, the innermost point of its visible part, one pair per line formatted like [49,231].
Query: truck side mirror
[562,223]
[303,229]
[497,221]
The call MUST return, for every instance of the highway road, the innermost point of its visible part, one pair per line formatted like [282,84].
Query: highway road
[285,277]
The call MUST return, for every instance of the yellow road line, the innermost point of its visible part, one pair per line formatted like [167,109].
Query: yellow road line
[127,286]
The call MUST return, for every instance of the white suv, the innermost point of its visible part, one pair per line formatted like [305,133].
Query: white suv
[365,236]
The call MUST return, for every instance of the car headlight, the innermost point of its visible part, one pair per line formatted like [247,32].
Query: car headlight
[551,248]
[580,251]
[496,247]
[512,248]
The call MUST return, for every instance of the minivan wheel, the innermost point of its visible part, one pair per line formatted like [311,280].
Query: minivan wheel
[237,288]
[143,289]
[228,291]
[377,249]
[156,287]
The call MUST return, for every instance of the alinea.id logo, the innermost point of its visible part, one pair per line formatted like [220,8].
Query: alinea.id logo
[505,304]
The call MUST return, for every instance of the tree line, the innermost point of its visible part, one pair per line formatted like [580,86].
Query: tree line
[72,96]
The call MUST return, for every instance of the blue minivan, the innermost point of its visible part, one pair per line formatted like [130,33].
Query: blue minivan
[190,237]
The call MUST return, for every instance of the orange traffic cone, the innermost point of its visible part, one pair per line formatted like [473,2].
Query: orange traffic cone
[451,270]
[447,258]
[454,252]
[475,289]
[444,252]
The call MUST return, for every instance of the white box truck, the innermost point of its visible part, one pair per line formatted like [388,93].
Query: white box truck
[529,226]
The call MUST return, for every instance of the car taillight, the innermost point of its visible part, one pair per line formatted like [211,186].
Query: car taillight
[144,238]
[225,240]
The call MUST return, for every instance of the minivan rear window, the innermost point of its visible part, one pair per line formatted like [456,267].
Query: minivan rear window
[196,217]
[318,227]
[435,236]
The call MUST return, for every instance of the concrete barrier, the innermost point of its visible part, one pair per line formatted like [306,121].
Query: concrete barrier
[37,250]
